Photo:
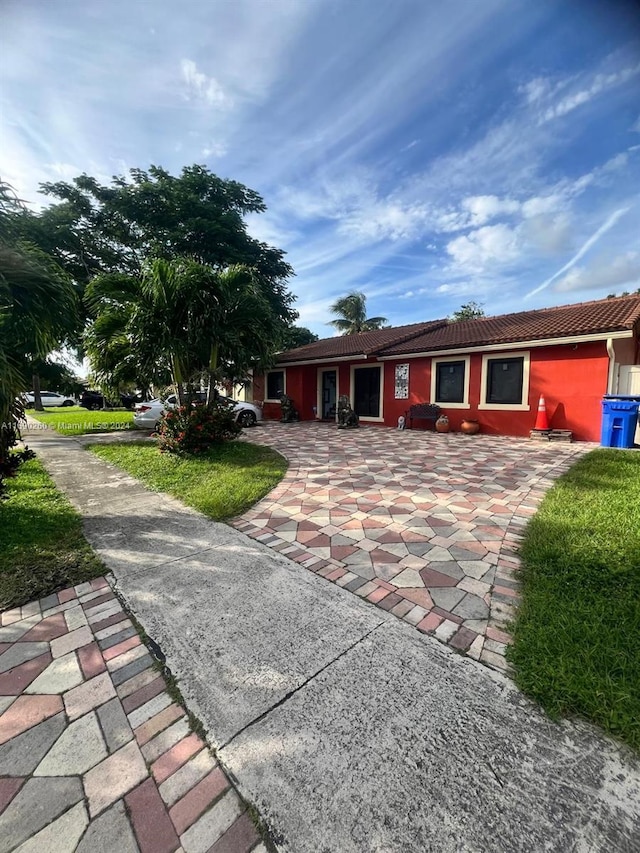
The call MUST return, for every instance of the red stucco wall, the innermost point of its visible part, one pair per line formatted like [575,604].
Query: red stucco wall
[571,380]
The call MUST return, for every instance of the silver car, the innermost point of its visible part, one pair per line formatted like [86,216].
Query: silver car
[147,415]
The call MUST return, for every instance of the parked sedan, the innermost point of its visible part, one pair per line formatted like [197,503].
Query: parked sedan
[147,415]
[49,398]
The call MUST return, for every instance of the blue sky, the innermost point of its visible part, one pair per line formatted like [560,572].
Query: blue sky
[426,153]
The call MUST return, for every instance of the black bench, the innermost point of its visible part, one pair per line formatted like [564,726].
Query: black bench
[423,412]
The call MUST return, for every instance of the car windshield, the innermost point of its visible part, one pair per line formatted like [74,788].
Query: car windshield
[172,398]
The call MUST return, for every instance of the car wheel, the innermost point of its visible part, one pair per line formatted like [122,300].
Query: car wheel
[246,419]
[68,403]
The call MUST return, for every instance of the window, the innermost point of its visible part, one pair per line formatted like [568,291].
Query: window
[275,384]
[505,382]
[366,384]
[450,382]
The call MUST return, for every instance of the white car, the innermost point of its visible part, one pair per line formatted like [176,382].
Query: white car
[49,398]
[147,415]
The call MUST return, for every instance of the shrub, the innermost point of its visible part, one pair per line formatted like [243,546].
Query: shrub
[194,429]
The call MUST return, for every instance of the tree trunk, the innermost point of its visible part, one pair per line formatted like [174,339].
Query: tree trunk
[212,393]
[37,399]
[176,370]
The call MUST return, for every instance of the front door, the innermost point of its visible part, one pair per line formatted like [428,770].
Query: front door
[328,395]
[366,391]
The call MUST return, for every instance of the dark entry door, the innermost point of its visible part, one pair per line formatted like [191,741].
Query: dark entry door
[329,383]
[366,391]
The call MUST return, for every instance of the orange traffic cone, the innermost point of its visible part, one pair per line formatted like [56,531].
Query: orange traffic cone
[542,421]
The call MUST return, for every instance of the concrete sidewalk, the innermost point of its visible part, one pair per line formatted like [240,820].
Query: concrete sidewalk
[348,730]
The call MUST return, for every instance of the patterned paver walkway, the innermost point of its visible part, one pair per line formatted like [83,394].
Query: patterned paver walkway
[95,756]
[422,524]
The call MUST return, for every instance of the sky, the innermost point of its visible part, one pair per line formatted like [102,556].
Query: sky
[426,153]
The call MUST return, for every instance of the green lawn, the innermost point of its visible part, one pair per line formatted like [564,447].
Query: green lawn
[577,636]
[42,548]
[74,420]
[222,483]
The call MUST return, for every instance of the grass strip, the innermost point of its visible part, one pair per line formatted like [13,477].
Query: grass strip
[42,547]
[74,420]
[222,483]
[577,635]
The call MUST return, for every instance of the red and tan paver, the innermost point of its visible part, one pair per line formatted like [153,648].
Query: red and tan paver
[111,758]
[424,525]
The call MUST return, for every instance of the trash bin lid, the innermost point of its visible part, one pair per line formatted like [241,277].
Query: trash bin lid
[634,398]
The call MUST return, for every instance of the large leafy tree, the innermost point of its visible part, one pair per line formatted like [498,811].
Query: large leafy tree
[297,336]
[468,311]
[153,214]
[352,315]
[38,308]
[110,238]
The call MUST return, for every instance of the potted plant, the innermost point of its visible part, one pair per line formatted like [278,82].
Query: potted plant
[442,424]
[470,426]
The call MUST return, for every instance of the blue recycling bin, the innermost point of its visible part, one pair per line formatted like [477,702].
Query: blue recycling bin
[619,421]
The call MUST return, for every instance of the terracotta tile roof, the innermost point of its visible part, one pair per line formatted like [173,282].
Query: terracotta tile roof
[354,345]
[583,318]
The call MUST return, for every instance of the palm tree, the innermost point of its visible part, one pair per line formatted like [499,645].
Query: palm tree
[183,316]
[38,309]
[119,358]
[352,313]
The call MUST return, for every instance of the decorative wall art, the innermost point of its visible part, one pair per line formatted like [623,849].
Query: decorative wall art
[402,381]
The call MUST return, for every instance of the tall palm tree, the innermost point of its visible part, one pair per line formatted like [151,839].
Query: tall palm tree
[352,311]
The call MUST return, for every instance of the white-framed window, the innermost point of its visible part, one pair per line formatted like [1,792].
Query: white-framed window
[504,383]
[450,381]
[275,385]
[367,386]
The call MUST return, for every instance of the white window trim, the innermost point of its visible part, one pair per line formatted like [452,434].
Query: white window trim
[282,370]
[322,370]
[367,418]
[523,406]
[467,367]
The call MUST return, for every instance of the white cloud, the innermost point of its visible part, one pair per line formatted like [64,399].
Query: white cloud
[605,272]
[200,87]
[386,220]
[600,83]
[460,288]
[214,149]
[409,294]
[492,244]
[65,171]
[360,212]
[617,162]
[548,234]
[606,226]
[539,205]
[485,207]
[535,90]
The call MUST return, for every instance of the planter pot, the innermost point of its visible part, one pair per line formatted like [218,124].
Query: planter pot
[442,424]
[469,427]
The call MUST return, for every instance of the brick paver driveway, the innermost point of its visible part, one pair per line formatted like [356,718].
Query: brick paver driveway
[425,525]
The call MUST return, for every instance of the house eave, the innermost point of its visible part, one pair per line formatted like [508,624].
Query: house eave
[542,342]
[333,360]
